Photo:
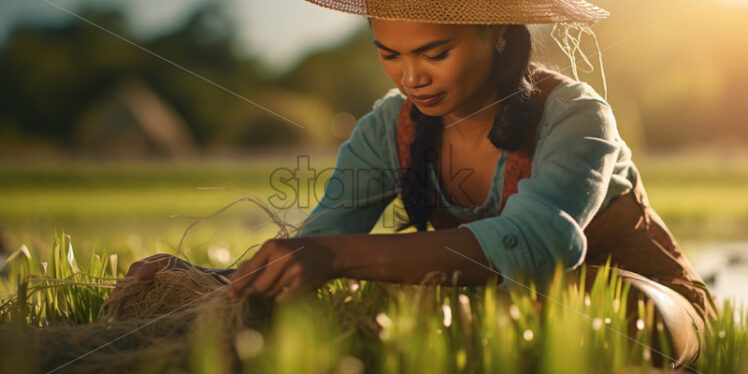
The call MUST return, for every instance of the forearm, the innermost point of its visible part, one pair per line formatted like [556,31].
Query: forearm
[408,258]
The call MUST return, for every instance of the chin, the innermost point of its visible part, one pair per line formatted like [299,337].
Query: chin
[433,111]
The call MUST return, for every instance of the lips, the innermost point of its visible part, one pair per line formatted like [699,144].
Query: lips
[427,100]
[425,97]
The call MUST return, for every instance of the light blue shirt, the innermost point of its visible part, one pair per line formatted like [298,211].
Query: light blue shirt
[580,165]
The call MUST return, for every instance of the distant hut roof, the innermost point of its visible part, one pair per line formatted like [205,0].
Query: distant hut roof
[132,120]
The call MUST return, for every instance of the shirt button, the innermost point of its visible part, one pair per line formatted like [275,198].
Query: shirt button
[510,241]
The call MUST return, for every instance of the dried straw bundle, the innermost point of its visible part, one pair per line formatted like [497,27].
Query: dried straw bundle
[152,322]
[152,325]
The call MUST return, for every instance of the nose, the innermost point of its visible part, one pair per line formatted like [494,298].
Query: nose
[412,76]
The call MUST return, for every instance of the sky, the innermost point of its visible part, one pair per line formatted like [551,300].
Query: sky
[278,32]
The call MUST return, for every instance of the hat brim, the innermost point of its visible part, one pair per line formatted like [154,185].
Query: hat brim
[483,12]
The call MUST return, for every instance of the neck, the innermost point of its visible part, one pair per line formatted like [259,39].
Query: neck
[475,117]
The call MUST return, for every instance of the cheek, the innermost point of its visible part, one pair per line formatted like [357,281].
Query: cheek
[458,75]
[389,69]
[470,73]
[393,72]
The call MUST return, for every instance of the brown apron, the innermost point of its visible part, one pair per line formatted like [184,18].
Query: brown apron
[628,231]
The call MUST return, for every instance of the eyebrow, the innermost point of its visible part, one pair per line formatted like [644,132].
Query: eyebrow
[420,49]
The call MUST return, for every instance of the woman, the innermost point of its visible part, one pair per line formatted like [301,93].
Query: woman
[518,169]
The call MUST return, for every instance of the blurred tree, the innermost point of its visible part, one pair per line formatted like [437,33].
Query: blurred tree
[348,76]
[49,73]
[672,88]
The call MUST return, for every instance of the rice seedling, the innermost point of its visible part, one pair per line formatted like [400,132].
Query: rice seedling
[346,326]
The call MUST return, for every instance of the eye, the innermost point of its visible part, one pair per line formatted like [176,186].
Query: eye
[440,56]
[389,57]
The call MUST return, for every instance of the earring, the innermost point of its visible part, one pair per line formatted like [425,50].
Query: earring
[501,44]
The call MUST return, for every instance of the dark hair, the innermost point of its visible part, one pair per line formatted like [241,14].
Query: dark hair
[511,72]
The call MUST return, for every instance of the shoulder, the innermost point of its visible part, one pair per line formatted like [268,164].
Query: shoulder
[392,97]
[575,108]
[378,126]
[387,108]
[570,91]
[373,139]
[383,115]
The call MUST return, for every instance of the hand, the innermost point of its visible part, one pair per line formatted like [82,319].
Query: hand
[145,268]
[285,268]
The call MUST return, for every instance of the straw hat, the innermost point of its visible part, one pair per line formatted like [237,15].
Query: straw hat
[523,12]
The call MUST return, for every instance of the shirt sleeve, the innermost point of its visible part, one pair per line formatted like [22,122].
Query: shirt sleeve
[541,225]
[361,184]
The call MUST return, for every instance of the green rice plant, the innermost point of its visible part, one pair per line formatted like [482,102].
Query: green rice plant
[355,326]
[726,343]
[57,291]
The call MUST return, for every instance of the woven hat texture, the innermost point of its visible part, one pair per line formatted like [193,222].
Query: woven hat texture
[523,12]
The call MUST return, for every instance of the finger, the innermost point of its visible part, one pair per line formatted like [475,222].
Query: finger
[157,257]
[294,290]
[133,268]
[137,265]
[245,273]
[174,262]
[146,271]
[269,276]
[283,283]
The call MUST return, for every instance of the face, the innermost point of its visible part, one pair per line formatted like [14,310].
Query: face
[443,69]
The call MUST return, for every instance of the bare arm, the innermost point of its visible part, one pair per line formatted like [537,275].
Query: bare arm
[285,267]
[407,258]
[302,264]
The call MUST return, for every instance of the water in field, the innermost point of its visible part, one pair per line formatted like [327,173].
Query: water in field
[724,267]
